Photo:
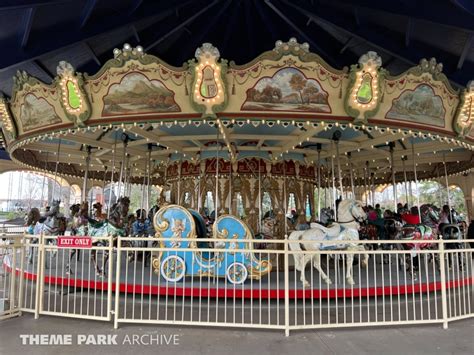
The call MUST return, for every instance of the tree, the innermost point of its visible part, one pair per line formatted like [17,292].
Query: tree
[311,92]
[298,83]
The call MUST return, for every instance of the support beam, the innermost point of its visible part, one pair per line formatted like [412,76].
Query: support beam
[134,7]
[52,41]
[42,69]
[135,33]
[308,39]
[87,12]
[300,138]
[435,12]
[200,36]
[346,45]
[179,27]
[26,4]
[465,50]
[155,137]
[92,53]
[337,23]
[27,23]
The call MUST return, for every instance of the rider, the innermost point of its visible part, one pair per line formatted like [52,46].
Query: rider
[413,217]
[444,217]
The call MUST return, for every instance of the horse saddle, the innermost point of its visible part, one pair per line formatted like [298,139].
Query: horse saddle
[331,231]
[94,223]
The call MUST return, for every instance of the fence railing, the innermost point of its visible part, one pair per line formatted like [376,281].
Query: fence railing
[10,282]
[213,282]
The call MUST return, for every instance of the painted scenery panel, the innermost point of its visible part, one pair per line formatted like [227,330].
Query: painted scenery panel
[36,113]
[287,90]
[137,94]
[420,105]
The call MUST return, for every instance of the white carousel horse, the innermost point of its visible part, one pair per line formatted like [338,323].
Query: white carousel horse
[55,224]
[350,214]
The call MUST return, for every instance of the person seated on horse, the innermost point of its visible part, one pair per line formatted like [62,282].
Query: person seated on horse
[444,217]
[413,217]
[375,219]
[141,224]
[378,210]
[97,211]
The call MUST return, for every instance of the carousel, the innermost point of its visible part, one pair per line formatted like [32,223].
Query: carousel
[256,151]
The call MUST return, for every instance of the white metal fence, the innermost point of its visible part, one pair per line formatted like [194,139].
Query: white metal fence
[396,287]
[10,281]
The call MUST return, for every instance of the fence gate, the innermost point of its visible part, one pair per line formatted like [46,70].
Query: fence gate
[75,278]
[10,254]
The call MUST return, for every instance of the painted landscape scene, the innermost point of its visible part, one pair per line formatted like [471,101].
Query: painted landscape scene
[137,94]
[419,106]
[287,90]
[37,112]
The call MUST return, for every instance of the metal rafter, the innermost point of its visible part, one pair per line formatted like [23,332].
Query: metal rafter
[87,12]
[27,23]
[296,28]
[58,40]
[179,27]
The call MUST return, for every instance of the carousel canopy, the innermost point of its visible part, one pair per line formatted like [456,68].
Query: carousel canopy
[286,108]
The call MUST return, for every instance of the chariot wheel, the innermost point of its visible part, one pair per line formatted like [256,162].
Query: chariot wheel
[173,268]
[237,273]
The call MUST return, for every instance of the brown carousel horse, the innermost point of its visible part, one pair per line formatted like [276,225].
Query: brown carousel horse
[115,226]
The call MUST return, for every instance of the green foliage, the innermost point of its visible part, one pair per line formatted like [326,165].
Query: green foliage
[136,197]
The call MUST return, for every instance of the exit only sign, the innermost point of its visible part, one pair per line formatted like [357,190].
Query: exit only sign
[74,242]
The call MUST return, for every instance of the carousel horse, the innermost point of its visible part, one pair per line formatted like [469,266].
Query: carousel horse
[425,231]
[79,217]
[343,234]
[114,226]
[54,224]
[430,216]
[453,231]
[31,219]
[97,214]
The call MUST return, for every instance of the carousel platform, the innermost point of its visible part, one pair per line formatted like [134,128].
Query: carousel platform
[378,279]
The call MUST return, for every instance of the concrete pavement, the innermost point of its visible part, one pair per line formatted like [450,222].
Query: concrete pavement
[427,339]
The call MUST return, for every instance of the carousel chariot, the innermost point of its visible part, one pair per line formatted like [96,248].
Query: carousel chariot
[179,230]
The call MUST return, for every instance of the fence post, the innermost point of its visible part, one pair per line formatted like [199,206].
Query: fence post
[444,302]
[110,277]
[22,272]
[13,278]
[39,276]
[287,288]
[117,283]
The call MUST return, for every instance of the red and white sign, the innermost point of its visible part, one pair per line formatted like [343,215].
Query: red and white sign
[74,242]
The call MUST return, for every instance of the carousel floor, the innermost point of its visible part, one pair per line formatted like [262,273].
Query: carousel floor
[378,279]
